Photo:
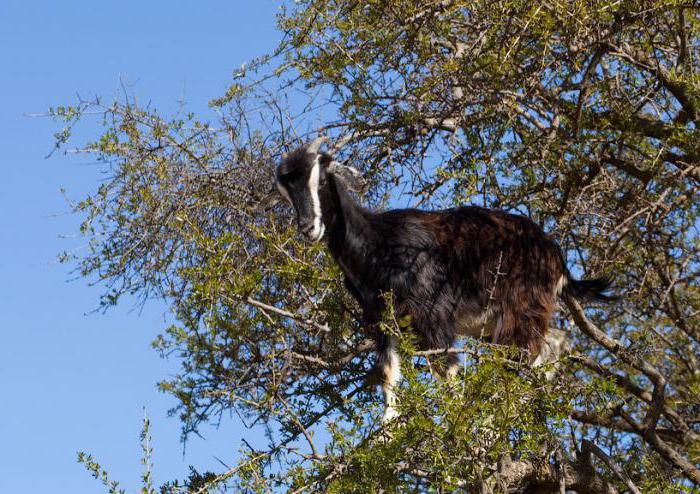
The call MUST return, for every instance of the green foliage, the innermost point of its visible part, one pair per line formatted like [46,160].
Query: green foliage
[146,458]
[99,473]
[583,115]
[449,434]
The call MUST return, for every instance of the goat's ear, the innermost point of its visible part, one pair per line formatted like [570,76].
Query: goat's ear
[272,198]
[349,175]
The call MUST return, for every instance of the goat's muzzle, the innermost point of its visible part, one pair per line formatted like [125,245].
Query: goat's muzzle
[310,232]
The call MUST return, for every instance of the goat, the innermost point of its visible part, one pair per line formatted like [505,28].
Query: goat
[439,265]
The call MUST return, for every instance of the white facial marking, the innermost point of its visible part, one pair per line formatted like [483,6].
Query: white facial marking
[283,191]
[319,227]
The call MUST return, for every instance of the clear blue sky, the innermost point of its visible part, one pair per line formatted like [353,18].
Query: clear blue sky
[72,381]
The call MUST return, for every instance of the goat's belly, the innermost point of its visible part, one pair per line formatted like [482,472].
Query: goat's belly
[476,325]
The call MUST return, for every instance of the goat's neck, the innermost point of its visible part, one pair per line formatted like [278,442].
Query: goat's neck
[352,237]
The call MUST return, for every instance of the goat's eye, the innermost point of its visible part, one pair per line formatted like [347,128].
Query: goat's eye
[322,181]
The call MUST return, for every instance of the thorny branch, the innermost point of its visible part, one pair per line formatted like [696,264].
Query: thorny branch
[581,115]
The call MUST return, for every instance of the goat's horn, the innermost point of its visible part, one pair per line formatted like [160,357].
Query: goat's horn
[314,146]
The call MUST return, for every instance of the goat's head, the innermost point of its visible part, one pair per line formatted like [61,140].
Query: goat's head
[304,178]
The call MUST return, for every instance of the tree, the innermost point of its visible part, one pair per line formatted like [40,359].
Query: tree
[582,115]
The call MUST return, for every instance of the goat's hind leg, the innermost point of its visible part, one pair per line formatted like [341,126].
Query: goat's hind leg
[523,326]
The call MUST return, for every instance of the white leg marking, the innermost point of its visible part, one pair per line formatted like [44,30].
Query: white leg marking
[451,371]
[319,227]
[392,376]
[555,344]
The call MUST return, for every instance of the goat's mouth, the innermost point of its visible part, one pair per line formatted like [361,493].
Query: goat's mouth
[316,234]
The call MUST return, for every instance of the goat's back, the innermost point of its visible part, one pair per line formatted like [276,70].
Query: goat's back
[472,264]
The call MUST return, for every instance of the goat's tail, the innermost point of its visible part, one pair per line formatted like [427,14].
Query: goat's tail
[593,289]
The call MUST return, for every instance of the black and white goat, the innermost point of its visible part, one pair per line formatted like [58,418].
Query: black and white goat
[439,265]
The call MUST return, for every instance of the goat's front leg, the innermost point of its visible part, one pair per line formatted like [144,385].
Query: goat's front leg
[390,366]
[555,345]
